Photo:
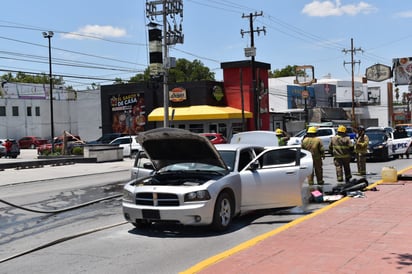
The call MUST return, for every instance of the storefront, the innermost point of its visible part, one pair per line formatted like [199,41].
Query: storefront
[204,118]
[195,106]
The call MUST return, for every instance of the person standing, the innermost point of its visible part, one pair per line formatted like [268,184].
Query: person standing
[341,148]
[361,148]
[283,138]
[315,146]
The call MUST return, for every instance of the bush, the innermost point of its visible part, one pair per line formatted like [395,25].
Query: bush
[77,151]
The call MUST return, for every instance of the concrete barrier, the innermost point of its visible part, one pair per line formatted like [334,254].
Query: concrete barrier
[103,153]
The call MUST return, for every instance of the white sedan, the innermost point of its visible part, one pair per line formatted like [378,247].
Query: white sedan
[196,183]
[129,144]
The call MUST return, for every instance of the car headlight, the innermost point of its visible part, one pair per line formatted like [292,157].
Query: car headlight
[201,195]
[128,196]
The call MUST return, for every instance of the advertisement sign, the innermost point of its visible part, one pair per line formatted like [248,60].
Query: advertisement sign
[128,113]
[378,73]
[402,71]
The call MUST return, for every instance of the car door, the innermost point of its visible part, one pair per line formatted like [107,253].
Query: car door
[142,166]
[273,179]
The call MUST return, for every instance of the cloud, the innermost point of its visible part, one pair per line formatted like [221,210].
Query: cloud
[335,8]
[405,14]
[95,31]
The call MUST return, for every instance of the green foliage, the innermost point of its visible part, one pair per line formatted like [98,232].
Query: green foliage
[286,71]
[77,151]
[21,77]
[185,71]
[141,77]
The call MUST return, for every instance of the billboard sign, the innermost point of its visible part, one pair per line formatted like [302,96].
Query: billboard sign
[378,73]
[402,71]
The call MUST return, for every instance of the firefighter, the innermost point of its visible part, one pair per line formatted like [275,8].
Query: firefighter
[341,148]
[361,148]
[315,146]
[283,138]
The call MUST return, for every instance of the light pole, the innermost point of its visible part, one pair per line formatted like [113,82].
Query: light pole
[49,35]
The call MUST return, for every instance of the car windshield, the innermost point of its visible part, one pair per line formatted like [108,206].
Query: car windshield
[192,167]
[229,158]
[376,136]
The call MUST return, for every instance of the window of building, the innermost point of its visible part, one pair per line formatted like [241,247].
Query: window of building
[2,111]
[15,111]
[37,110]
[28,111]
[196,128]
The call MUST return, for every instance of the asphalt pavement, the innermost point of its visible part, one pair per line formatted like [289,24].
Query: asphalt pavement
[368,233]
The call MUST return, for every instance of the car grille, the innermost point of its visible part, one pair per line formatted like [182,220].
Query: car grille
[157,199]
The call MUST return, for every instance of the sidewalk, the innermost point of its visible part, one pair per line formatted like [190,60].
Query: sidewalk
[354,235]
[14,176]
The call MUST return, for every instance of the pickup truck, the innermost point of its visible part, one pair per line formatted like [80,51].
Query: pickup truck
[324,133]
[383,145]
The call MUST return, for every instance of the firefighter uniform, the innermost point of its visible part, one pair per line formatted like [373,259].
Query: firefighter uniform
[361,148]
[341,148]
[283,138]
[315,146]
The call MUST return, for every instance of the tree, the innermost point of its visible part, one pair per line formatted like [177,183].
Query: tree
[141,77]
[186,71]
[286,71]
[22,77]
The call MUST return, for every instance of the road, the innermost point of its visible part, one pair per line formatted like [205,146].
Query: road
[103,243]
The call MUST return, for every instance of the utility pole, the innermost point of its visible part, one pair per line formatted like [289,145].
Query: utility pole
[251,52]
[172,17]
[352,63]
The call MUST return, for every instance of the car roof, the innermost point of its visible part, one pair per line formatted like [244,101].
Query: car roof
[125,137]
[234,147]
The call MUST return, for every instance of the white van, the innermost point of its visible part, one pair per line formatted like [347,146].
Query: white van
[263,138]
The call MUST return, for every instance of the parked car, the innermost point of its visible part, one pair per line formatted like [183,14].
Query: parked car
[2,151]
[31,142]
[72,141]
[15,149]
[215,138]
[191,184]
[324,133]
[263,138]
[383,145]
[106,138]
[129,144]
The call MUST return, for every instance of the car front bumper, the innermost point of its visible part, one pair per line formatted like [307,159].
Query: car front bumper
[196,213]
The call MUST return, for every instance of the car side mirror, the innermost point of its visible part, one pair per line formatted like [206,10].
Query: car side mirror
[254,166]
[148,166]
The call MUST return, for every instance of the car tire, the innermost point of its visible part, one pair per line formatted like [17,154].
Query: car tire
[223,212]
[385,156]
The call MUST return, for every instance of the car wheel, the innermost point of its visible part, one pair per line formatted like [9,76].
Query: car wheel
[385,156]
[223,213]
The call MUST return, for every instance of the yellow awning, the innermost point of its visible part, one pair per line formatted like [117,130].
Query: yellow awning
[203,112]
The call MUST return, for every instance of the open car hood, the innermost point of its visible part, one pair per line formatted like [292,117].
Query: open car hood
[166,146]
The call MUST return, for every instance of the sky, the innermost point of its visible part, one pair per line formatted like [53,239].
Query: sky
[97,41]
